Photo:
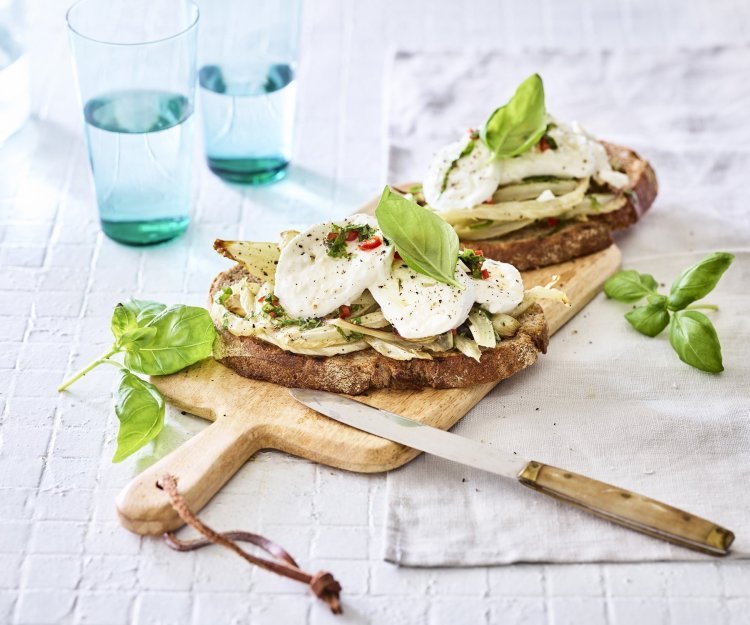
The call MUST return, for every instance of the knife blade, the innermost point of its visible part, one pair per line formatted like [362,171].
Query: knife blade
[626,508]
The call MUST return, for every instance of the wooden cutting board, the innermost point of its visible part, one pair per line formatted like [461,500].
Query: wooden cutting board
[249,415]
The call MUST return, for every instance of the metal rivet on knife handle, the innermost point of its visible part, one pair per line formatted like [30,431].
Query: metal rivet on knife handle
[629,509]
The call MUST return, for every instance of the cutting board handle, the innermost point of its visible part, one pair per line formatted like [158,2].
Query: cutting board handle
[202,466]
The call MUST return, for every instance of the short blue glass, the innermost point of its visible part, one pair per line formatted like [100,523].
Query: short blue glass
[248,65]
[136,66]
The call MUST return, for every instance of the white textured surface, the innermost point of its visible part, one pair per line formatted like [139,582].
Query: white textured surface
[605,401]
[64,558]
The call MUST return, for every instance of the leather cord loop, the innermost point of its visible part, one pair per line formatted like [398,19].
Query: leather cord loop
[322,583]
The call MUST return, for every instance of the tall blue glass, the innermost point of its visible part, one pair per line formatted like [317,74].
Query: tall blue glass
[248,65]
[136,66]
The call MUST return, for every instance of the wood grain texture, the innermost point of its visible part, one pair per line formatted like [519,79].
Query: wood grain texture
[627,508]
[250,415]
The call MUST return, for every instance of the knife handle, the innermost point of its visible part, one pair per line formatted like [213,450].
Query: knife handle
[629,509]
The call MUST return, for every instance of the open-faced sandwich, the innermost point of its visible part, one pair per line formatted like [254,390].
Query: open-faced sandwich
[533,191]
[374,302]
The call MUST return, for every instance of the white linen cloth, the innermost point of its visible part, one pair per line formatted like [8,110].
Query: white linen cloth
[605,401]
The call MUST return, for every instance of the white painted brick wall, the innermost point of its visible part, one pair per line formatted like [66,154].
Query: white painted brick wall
[63,556]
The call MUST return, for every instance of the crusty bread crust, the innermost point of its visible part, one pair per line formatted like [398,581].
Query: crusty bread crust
[363,371]
[540,244]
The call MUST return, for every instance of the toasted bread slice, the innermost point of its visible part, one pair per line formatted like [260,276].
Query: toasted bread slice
[542,244]
[367,370]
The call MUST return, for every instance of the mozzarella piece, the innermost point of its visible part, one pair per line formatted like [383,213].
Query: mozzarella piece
[310,283]
[546,196]
[475,177]
[472,180]
[502,291]
[578,155]
[419,306]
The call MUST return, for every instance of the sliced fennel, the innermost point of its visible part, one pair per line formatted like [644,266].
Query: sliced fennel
[533,189]
[259,259]
[521,209]
[396,352]
[481,328]
[538,293]
[468,347]
[505,325]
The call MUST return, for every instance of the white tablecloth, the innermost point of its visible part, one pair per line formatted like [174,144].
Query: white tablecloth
[605,401]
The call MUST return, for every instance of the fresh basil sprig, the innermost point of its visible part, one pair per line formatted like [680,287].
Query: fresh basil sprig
[517,126]
[691,333]
[154,340]
[426,243]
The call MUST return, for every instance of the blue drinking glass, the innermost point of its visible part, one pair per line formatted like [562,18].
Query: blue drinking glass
[136,66]
[248,64]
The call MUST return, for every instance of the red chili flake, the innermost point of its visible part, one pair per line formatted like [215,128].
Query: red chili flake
[272,314]
[262,298]
[332,236]
[543,144]
[454,332]
[479,252]
[351,235]
[371,244]
[552,221]
[344,312]
[485,274]
[489,201]
[396,256]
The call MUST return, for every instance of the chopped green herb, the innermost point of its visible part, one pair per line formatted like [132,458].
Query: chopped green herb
[223,295]
[473,261]
[481,224]
[280,318]
[340,235]
[551,143]
[541,179]
[465,152]
[349,336]
[596,205]
[304,324]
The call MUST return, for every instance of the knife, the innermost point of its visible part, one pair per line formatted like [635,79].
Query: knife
[618,505]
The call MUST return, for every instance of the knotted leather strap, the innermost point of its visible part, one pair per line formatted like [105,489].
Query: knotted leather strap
[322,583]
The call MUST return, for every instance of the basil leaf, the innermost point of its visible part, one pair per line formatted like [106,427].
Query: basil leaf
[652,319]
[657,299]
[132,315]
[140,409]
[699,280]
[184,335]
[517,126]
[630,286]
[424,241]
[139,336]
[694,338]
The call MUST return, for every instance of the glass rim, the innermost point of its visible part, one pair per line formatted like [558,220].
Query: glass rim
[181,32]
